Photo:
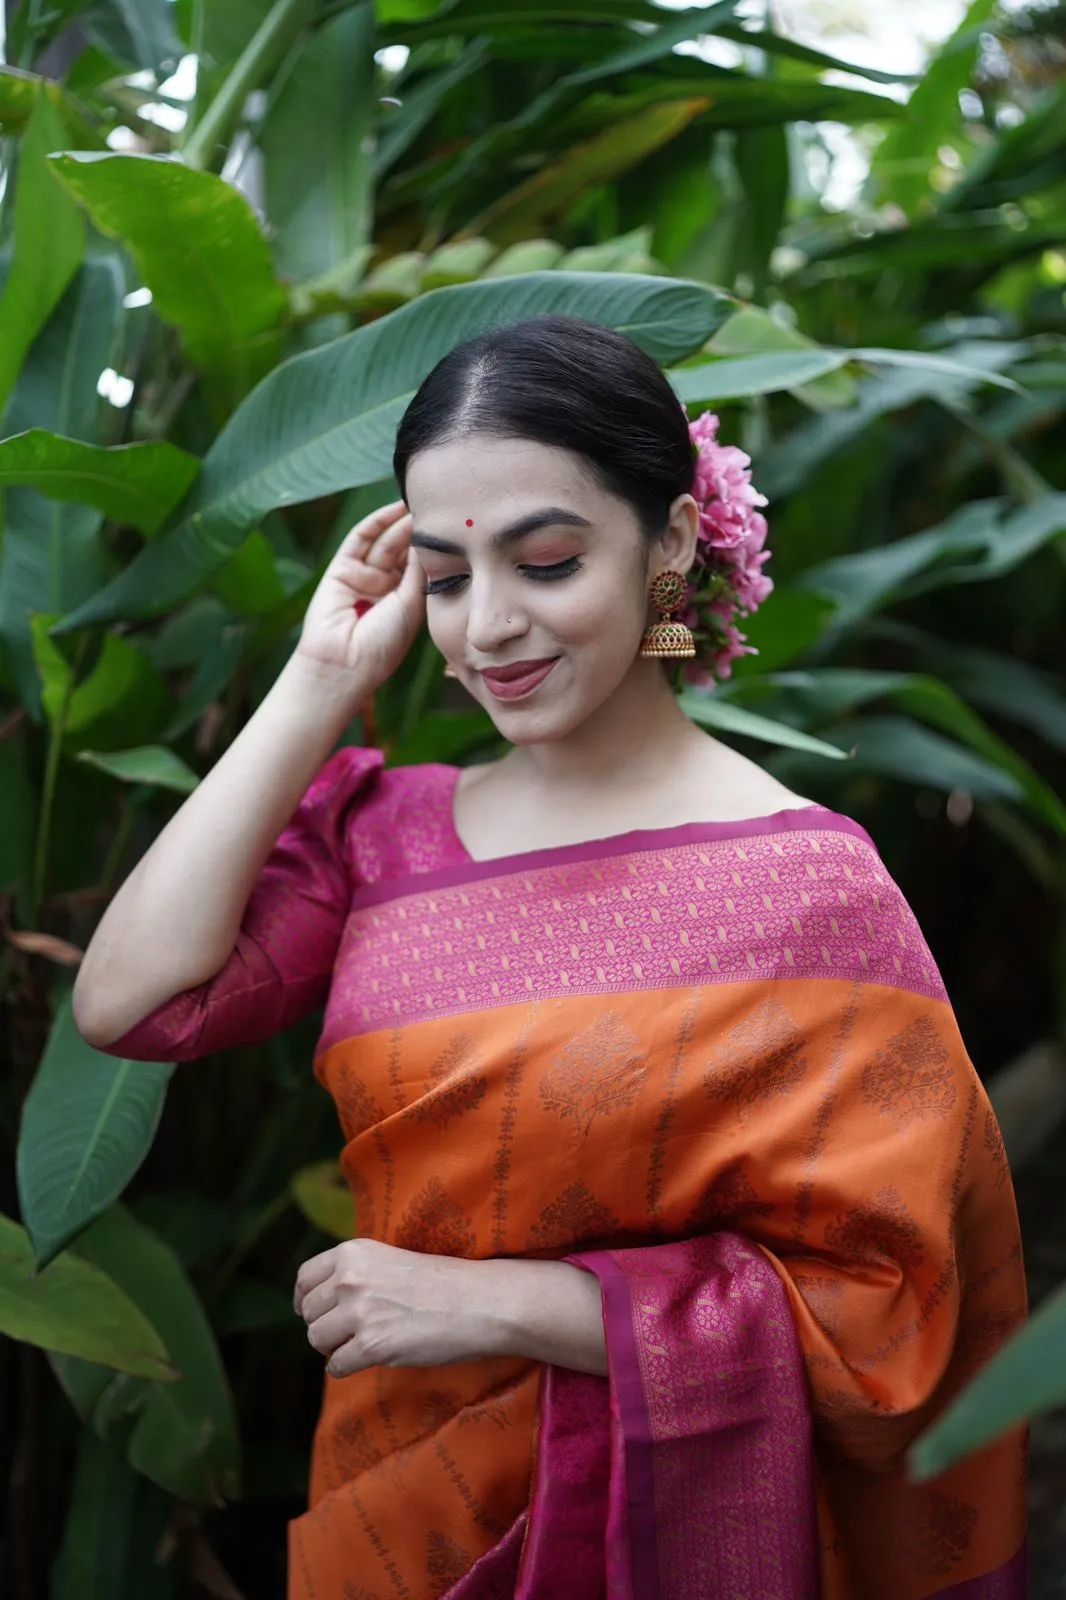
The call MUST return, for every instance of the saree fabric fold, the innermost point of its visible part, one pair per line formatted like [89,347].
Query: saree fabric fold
[715,1065]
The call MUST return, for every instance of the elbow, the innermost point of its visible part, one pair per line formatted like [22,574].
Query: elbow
[91,1018]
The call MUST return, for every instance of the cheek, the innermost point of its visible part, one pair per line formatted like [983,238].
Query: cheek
[447,625]
[604,608]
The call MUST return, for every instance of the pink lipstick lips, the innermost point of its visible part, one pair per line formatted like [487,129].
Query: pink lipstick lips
[518,678]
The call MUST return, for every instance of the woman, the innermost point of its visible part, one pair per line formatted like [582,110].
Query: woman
[680,1208]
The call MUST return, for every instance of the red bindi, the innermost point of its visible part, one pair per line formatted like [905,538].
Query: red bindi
[470,522]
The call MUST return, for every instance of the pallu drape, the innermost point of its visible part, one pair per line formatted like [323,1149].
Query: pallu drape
[717,1066]
[733,1029]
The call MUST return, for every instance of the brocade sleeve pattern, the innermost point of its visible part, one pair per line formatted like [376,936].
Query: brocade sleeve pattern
[281,966]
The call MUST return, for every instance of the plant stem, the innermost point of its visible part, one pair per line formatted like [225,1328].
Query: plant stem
[426,676]
[247,1238]
[118,844]
[51,775]
[275,34]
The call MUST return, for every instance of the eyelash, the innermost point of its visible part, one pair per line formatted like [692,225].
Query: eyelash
[552,574]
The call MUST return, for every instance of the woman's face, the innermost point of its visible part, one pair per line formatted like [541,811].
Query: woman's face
[537,579]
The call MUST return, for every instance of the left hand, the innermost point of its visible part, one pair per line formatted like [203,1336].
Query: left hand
[370,1304]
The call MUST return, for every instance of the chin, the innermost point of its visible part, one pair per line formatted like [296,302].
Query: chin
[527,723]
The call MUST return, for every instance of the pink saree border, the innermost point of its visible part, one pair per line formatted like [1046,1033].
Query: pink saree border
[1009,1582]
[616,844]
[712,1477]
[688,1471]
[706,908]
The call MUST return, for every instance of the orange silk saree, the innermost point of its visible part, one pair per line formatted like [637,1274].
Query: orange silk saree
[719,1056]
[655,1038]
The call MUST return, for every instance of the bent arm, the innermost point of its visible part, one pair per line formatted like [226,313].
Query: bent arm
[174,922]
[545,1311]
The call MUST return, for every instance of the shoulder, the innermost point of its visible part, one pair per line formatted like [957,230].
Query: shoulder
[403,822]
[832,884]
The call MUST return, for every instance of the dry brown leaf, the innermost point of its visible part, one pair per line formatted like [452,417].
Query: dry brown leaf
[46,945]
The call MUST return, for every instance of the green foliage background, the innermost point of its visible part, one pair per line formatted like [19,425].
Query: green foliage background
[322,226]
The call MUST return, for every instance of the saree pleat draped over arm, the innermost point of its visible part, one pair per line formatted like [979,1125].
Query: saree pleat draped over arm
[714,1065]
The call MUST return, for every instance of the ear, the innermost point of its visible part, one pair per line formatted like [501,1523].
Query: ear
[676,549]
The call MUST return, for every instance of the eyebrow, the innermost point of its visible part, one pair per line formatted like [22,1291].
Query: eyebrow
[547,517]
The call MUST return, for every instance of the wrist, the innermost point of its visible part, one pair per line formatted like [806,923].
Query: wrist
[547,1311]
[319,693]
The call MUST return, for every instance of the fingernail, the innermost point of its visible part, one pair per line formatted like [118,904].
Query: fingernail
[361,607]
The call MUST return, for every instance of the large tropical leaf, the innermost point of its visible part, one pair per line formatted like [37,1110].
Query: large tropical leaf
[753,331]
[182,1435]
[152,764]
[814,698]
[710,711]
[1025,1379]
[18,96]
[787,624]
[92,1559]
[979,541]
[325,1199]
[327,420]
[117,1542]
[734,100]
[1023,160]
[135,483]
[1001,684]
[51,558]
[317,149]
[153,43]
[122,698]
[76,1309]
[788,463]
[49,237]
[606,155]
[87,1124]
[420,104]
[978,242]
[199,248]
[896,747]
[487,154]
[776,44]
[906,155]
[734,378]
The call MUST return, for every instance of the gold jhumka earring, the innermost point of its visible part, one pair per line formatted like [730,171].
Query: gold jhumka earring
[667,639]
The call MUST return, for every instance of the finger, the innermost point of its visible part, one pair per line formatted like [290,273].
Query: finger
[319,1300]
[362,579]
[412,586]
[329,1332]
[389,549]
[349,1358]
[368,533]
[312,1273]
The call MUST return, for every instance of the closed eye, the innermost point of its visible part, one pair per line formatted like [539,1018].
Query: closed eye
[558,569]
[544,574]
[445,585]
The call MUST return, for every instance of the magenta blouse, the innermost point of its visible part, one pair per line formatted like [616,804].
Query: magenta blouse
[357,824]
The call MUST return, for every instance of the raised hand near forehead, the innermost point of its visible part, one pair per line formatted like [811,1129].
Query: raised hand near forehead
[369,604]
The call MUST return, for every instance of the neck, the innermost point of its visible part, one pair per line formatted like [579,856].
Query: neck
[628,739]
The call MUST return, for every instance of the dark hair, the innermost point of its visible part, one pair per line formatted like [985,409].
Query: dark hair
[566,382]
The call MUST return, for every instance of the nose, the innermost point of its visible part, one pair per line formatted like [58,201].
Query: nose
[493,619]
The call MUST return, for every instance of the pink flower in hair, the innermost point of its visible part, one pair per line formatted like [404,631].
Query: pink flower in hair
[727,579]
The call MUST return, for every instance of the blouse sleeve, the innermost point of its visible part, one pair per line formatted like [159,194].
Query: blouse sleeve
[282,963]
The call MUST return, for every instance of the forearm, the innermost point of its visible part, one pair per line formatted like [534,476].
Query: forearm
[546,1311]
[174,922]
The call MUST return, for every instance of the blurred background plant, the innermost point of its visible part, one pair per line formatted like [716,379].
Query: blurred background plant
[233,238]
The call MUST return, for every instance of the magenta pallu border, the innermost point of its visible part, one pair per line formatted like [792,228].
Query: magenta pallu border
[802,894]
[801,820]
